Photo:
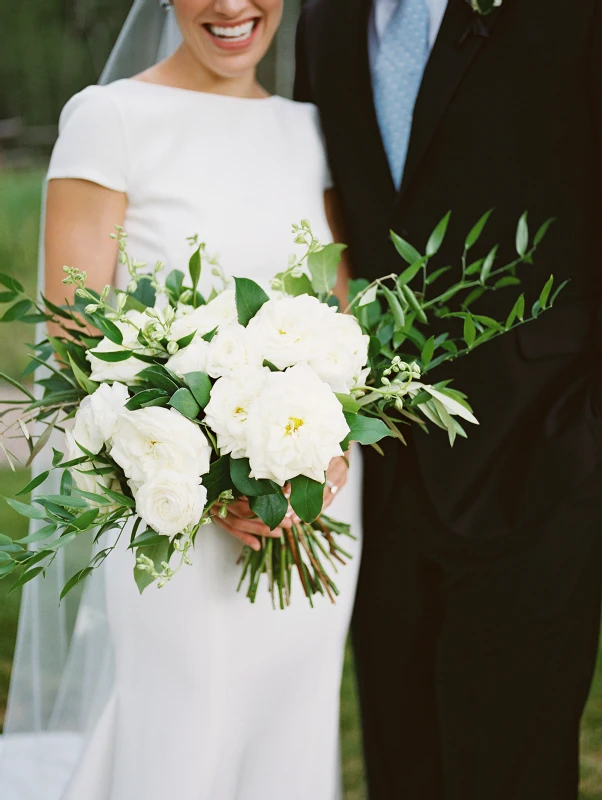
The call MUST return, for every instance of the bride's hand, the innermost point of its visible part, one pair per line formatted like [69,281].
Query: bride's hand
[336,478]
[243,524]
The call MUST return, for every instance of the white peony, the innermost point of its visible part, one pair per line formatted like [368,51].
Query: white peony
[343,353]
[192,358]
[150,440]
[227,411]
[295,427]
[289,330]
[171,502]
[123,371]
[96,417]
[232,348]
[204,319]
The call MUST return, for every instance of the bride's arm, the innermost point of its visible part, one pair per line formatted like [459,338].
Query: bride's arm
[80,216]
[336,476]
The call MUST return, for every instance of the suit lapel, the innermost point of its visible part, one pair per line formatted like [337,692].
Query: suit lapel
[460,38]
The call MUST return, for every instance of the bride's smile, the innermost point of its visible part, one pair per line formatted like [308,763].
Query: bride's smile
[233,35]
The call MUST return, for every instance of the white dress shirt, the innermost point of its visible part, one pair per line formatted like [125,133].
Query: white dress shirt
[382,11]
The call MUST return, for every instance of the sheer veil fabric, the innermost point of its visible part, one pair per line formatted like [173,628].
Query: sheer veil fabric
[63,666]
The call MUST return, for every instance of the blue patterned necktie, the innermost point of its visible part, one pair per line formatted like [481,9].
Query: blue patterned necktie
[396,78]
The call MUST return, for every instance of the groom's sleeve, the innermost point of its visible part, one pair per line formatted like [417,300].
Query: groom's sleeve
[302,90]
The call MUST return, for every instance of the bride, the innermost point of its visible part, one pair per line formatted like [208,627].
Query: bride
[194,694]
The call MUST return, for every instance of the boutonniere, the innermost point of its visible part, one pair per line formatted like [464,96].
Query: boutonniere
[484,7]
[478,27]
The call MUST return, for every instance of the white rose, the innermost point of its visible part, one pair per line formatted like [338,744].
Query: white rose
[153,439]
[204,319]
[227,411]
[96,417]
[123,371]
[232,348]
[171,502]
[192,358]
[288,330]
[295,427]
[344,353]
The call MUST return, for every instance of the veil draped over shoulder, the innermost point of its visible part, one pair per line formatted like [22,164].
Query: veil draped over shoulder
[63,666]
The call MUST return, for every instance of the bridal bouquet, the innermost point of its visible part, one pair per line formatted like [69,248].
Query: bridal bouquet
[173,404]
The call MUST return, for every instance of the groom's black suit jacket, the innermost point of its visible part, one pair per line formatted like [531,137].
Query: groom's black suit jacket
[509,116]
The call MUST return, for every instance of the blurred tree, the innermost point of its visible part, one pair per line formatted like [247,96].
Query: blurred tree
[49,49]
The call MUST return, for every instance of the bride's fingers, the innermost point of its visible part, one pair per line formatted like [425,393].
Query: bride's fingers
[245,538]
[253,526]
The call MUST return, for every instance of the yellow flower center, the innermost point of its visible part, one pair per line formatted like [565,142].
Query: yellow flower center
[294,423]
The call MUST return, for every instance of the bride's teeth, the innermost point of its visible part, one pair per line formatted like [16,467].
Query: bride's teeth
[237,32]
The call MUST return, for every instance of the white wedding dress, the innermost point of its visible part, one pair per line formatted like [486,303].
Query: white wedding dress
[212,698]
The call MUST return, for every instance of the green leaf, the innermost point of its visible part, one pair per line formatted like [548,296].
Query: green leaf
[200,386]
[16,385]
[298,285]
[270,508]
[65,501]
[427,352]
[488,264]
[175,281]
[194,267]
[436,274]
[477,230]
[414,303]
[396,309]
[17,311]
[366,430]
[240,470]
[119,498]
[33,484]
[147,539]
[89,386]
[522,235]
[476,294]
[438,235]
[518,310]
[186,340]
[158,554]
[470,331]
[112,356]
[145,294]
[218,479]
[307,497]
[86,520]
[249,299]
[140,399]
[405,249]
[557,292]
[25,578]
[25,509]
[159,378]
[184,402]
[107,328]
[349,403]
[542,231]
[545,292]
[11,283]
[75,580]
[39,536]
[507,280]
[323,267]
[8,297]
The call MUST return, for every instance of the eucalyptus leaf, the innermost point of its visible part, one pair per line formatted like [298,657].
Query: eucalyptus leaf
[34,483]
[17,311]
[25,509]
[184,402]
[522,235]
[477,230]
[438,235]
[542,231]
[470,331]
[427,352]
[405,249]
[323,267]
[545,292]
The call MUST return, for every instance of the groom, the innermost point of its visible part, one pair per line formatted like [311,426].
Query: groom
[477,619]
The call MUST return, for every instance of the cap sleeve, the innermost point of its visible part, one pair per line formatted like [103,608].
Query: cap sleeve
[92,143]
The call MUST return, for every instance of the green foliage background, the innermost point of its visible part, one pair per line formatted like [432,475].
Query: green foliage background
[50,49]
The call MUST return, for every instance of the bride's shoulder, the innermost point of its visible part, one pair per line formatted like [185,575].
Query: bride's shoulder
[100,104]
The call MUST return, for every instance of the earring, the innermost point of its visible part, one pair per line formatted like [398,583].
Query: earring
[166,4]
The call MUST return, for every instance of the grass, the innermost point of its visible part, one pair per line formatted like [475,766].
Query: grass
[19,223]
